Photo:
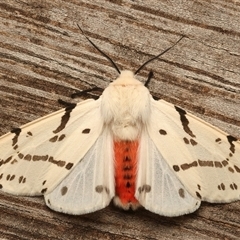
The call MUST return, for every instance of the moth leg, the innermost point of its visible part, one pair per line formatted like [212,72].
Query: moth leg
[66,104]
[150,75]
[79,94]
[85,92]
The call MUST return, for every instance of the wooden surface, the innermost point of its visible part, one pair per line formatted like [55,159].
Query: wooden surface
[44,57]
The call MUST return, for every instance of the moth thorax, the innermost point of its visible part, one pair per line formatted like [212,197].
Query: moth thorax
[126,131]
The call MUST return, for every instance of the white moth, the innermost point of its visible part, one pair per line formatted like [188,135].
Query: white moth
[125,146]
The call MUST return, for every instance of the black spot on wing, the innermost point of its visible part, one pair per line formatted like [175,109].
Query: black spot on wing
[64,190]
[101,188]
[28,157]
[22,179]
[59,163]
[15,147]
[233,186]
[65,118]
[61,137]
[86,131]
[20,155]
[176,168]
[205,163]
[181,193]
[224,163]
[193,142]
[190,141]
[221,186]
[10,177]
[14,161]
[107,190]
[6,160]
[1,186]
[184,121]
[198,195]
[162,132]
[218,164]
[44,190]
[40,157]
[17,132]
[231,139]
[237,168]
[57,138]
[29,134]
[53,139]
[145,188]
[186,166]
[69,166]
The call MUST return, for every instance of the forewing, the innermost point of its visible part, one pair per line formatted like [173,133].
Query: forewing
[158,188]
[205,159]
[37,156]
[90,186]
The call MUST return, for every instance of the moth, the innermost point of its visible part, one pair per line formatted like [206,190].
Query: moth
[124,146]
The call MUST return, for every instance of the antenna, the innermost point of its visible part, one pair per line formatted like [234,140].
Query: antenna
[104,54]
[148,61]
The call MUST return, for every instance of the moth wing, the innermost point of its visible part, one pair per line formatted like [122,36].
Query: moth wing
[90,185]
[205,159]
[37,156]
[158,189]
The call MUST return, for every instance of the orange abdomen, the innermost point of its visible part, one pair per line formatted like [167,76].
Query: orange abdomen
[125,170]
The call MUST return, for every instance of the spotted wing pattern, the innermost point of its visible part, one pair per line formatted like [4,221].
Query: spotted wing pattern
[205,159]
[158,188]
[90,185]
[36,157]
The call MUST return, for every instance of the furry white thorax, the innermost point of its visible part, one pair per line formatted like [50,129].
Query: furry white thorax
[126,106]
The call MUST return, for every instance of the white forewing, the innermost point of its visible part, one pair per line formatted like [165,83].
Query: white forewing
[90,186]
[158,189]
[36,157]
[205,159]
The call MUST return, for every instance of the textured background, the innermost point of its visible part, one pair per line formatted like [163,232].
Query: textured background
[44,57]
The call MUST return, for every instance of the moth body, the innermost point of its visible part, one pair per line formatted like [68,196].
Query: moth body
[125,110]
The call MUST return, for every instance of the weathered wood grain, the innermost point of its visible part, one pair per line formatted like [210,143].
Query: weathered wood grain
[44,57]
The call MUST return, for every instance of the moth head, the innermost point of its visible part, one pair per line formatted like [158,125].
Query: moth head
[125,78]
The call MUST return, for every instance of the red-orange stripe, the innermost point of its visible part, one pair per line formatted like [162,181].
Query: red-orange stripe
[125,170]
